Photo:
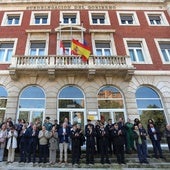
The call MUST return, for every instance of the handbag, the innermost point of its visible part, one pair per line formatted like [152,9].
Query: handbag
[2,140]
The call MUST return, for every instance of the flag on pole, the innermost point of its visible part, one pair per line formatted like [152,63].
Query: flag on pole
[62,48]
[78,48]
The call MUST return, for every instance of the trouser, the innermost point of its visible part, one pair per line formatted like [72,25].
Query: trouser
[43,153]
[52,157]
[157,148]
[90,154]
[63,147]
[11,154]
[142,153]
[1,154]
[120,153]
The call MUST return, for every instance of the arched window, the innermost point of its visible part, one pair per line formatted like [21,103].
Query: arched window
[71,105]
[31,104]
[150,106]
[3,102]
[110,103]
[71,97]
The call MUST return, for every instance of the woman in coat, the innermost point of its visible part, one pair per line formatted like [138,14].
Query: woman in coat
[11,144]
[53,141]
[3,136]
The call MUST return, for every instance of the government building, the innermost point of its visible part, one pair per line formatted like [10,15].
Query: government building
[126,75]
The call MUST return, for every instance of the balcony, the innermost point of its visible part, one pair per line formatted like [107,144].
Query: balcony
[52,65]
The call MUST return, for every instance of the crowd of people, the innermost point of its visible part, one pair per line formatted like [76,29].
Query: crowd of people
[41,143]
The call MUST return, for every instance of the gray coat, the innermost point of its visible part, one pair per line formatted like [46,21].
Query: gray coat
[53,141]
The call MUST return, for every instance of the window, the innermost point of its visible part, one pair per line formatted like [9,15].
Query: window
[136,51]
[163,46]
[98,18]
[3,102]
[165,49]
[103,49]
[127,18]
[110,97]
[6,51]
[150,106]
[31,104]
[71,97]
[12,19]
[40,18]
[67,47]
[37,48]
[156,19]
[69,18]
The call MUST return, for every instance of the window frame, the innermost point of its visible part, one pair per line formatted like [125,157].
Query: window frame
[71,13]
[9,40]
[41,14]
[164,21]
[106,16]
[128,13]
[37,49]
[14,14]
[157,42]
[103,49]
[145,50]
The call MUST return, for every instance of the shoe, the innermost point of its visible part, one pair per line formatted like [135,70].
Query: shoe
[123,162]
[146,162]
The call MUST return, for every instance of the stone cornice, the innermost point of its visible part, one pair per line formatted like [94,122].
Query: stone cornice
[151,73]
[38,30]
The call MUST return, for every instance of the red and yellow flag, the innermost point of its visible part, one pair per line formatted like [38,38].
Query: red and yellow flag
[78,48]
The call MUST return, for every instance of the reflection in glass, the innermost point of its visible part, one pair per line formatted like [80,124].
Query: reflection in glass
[109,92]
[149,103]
[150,107]
[71,103]
[32,92]
[106,104]
[31,103]
[24,115]
[37,115]
[71,92]
[110,97]
[3,92]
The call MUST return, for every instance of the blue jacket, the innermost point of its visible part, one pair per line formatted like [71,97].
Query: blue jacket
[63,138]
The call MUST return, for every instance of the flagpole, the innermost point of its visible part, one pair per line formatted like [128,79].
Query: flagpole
[82,36]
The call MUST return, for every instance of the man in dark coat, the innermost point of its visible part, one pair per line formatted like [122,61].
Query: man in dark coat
[32,133]
[75,138]
[103,143]
[119,142]
[155,137]
[90,144]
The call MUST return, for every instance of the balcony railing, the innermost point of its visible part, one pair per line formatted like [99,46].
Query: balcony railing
[52,63]
[24,62]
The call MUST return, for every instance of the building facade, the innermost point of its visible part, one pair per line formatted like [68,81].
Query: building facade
[127,74]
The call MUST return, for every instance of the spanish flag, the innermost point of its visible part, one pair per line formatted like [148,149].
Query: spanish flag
[78,48]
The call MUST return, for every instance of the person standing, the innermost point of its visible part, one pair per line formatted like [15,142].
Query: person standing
[11,144]
[119,142]
[63,134]
[48,125]
[109,128]
[23,144]
[53,145]
[3,136]
[155,137]
[129,136]
[140,144]
[32,134]
[90,143]
[43,136]
[167,135]
[103,143]
[75,137]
